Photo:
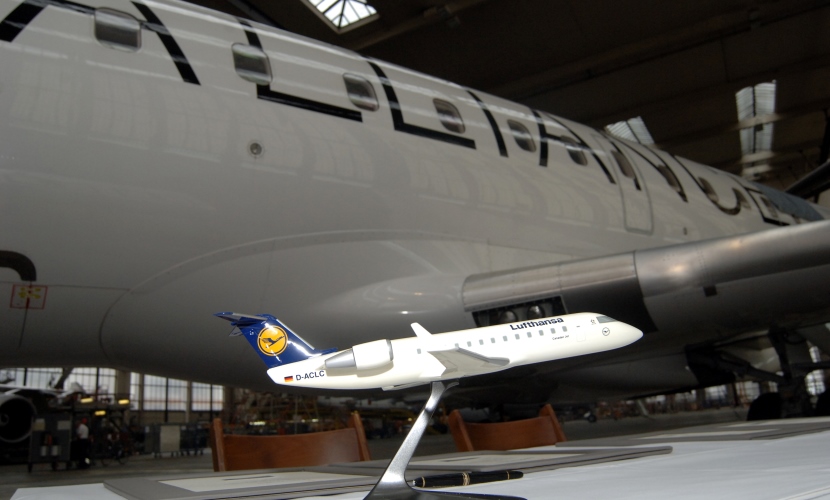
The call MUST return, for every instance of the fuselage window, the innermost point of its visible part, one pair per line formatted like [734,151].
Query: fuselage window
[449,116]
[529,335]
[605,319]
[564,328]
[117,30]
[553,330]
[419,351]
[505,338]
[522,136]
[670,177]
[469,344]
[480,341]
[361,92]
[517,336]
[574,150]
[251,63]
[492,340]
[541,333]
[625,167]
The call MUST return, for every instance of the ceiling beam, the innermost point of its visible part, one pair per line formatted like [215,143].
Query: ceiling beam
[429,16]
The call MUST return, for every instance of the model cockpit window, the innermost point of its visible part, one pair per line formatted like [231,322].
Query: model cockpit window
[605,319]
[251,63]
[117,30]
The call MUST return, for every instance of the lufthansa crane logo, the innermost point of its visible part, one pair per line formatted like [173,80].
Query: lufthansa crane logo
[272,340]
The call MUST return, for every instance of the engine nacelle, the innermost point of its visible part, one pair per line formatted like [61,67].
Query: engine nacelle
[16,415]
[368,356]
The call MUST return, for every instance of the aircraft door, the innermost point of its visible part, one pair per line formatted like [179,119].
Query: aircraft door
[633,189]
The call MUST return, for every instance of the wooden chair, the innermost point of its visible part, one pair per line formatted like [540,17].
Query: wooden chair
[237,452]
[538,431]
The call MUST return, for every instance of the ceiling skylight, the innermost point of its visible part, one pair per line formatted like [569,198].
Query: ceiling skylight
[753,102]
[633,129]
[344,15]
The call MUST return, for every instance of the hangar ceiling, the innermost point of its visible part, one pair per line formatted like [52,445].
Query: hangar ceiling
[678,64]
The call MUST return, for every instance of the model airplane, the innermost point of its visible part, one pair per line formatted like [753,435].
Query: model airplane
[401,363]
[160,161]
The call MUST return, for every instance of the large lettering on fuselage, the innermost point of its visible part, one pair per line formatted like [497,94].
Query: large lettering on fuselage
[25,13]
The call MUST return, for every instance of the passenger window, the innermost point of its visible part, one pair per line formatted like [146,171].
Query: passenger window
[670,178]
[361,92]
[480,341]
[419,351]
[522,136]
[251,63]
[575,151]
[708,189]
[625,167]
[117,30]
[449,116]
[541,333]
[517,336]
[492,340]
[505,338]
[529,335]
[469,344]
[553,330]
[564,328]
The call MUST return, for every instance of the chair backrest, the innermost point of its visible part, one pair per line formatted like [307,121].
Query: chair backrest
[538,431]
[235,452]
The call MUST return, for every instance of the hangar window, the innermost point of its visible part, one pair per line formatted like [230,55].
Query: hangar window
[625,166]
[361,92]
[251,63]
[522,136]
[117,30]
[575,151]
[449,116]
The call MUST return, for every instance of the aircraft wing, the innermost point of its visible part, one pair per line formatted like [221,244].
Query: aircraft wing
[458,359]
[697,291]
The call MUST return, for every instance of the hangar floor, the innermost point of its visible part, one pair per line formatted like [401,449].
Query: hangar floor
[13,477]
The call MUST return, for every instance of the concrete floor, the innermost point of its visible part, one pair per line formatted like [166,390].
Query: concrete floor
[13,477]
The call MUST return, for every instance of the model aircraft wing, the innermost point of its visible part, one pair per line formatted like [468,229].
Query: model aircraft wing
[463,360]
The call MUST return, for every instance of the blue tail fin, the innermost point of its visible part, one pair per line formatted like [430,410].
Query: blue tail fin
[275,343]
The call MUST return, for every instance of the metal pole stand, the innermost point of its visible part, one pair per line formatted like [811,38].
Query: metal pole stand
[393,485]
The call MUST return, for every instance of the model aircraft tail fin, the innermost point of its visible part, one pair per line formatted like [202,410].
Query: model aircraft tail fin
[275,343]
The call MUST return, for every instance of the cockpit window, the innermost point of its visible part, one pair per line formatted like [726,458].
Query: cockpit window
[605,319]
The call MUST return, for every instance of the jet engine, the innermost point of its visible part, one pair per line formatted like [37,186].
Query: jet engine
[15,418]
[368,356]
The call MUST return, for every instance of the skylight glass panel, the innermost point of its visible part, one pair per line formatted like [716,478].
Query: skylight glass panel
[633,129]
[753,102]
[343,13]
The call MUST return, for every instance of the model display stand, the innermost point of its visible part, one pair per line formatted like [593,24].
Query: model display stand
[393,484]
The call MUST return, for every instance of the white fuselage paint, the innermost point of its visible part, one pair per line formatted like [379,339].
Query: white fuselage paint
[147,201]
[575,335]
